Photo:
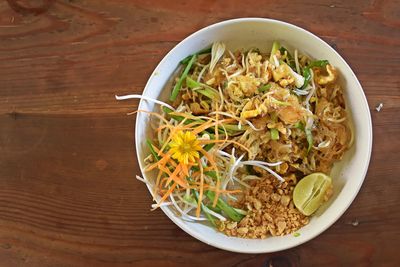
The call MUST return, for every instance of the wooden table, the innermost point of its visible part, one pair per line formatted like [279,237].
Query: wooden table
[68,192]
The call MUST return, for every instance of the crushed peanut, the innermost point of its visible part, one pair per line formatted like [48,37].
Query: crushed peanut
[270,211]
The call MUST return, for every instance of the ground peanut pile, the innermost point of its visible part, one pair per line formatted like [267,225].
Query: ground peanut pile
[270,211]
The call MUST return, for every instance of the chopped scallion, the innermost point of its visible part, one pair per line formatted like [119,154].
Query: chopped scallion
[178,85]
[309,139]
[299,125]
[264,87]
[307,72]
[206,90]
[152,151]
[291,61]
[204,209]
[274,134]
[228,210]
[275,48]
[201,52]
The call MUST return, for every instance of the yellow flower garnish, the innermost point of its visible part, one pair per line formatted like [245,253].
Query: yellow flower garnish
[185,147]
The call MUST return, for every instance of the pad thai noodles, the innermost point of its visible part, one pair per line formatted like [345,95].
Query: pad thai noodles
[239,132]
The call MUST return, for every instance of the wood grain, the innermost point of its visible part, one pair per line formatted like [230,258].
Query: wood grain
[67,161]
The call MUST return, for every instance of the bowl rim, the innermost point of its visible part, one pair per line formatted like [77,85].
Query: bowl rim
[199,237]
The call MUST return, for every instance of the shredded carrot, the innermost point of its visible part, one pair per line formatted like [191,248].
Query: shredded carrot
[183,127]
[166,170]
[185,115]
[186,168]
[210,159]
[181,188]
[190,125]
[200,189]
[214,166]
[150,113]
[208,125]
[133,112]
[172,133]
[160,172]
[216,124]
[167,141]
[207,169]
[163,181]
[161,162]
[173,163]
[176,173]
[162,127]
[164,197]
[176,176]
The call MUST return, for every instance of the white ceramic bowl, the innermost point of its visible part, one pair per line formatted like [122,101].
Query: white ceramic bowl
[348,175]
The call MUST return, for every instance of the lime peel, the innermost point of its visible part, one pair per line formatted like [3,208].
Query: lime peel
[309,193]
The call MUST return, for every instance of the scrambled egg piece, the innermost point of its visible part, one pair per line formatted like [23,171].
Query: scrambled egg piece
[253,108]
[254,63]
[242,86]
[248,84]
[283,75]
[332,75]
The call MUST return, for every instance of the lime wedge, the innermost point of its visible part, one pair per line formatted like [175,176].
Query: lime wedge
[308,195]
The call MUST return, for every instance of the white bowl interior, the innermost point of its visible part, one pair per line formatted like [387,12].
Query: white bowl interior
[348,174]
